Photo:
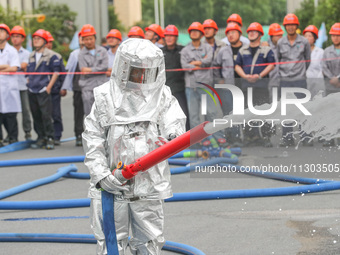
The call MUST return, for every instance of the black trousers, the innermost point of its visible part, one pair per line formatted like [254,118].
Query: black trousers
[41,108]
[287,131]
[78,113]
[56,115]
[260,96]
[9,120]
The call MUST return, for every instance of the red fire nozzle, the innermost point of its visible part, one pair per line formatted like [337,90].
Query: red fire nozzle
[164,152]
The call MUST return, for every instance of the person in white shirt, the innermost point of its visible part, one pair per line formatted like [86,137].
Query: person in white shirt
[315,79]
[18,36]
[10,103]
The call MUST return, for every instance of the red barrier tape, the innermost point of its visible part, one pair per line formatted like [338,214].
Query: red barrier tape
[170,70]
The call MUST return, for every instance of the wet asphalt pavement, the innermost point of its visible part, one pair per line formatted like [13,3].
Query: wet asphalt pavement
[307,223]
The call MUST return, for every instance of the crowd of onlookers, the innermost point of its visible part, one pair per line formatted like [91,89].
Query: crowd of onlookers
[283,61]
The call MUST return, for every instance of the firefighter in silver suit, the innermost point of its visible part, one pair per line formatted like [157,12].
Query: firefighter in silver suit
[133,114]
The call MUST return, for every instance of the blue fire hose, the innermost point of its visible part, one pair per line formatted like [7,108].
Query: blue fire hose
[109,227]
[78,238]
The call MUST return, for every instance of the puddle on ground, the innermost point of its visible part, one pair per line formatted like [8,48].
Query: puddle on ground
[314,240]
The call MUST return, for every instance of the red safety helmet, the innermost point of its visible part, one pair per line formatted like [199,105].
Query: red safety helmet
[171,30]
[291,19]
[157,29]
[4,26]
[210,23]
[335,29]
[114,33]
[255,26]
[275,29]
[236,18]
[49,36]
[233,26]
[313,29]
[196,26]
[87,30]
[41,33]
[136,31]
[18,30]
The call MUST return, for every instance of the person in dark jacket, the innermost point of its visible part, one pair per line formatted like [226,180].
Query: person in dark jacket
[174,79]
[40,87]
[71,83]
[56,95]
[253,64]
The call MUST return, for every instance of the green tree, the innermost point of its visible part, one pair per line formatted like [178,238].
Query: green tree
[327,11]
[114,22]
[183,13]
[278,11]
[265,11]
[251,10]
[59,22]
[9,17]
[221,11]
[148,14]
[179,13]
[306,14]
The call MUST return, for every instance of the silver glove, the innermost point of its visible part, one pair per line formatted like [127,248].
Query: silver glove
[119,176]
[111,184]
[171,136]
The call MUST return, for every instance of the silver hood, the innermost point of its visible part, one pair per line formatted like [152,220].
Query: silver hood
[134,101]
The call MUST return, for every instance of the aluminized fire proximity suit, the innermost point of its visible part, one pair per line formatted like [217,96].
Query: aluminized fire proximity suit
[132,115]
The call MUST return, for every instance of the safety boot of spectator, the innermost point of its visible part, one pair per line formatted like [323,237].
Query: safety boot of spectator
[12,140]
[28,136]
[6,140]
[79,141]
[40,143]
[50,144]
[57,141]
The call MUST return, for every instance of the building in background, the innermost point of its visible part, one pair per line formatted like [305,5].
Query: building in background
[18,5]
[129,12]
[94,12]
[293,5]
